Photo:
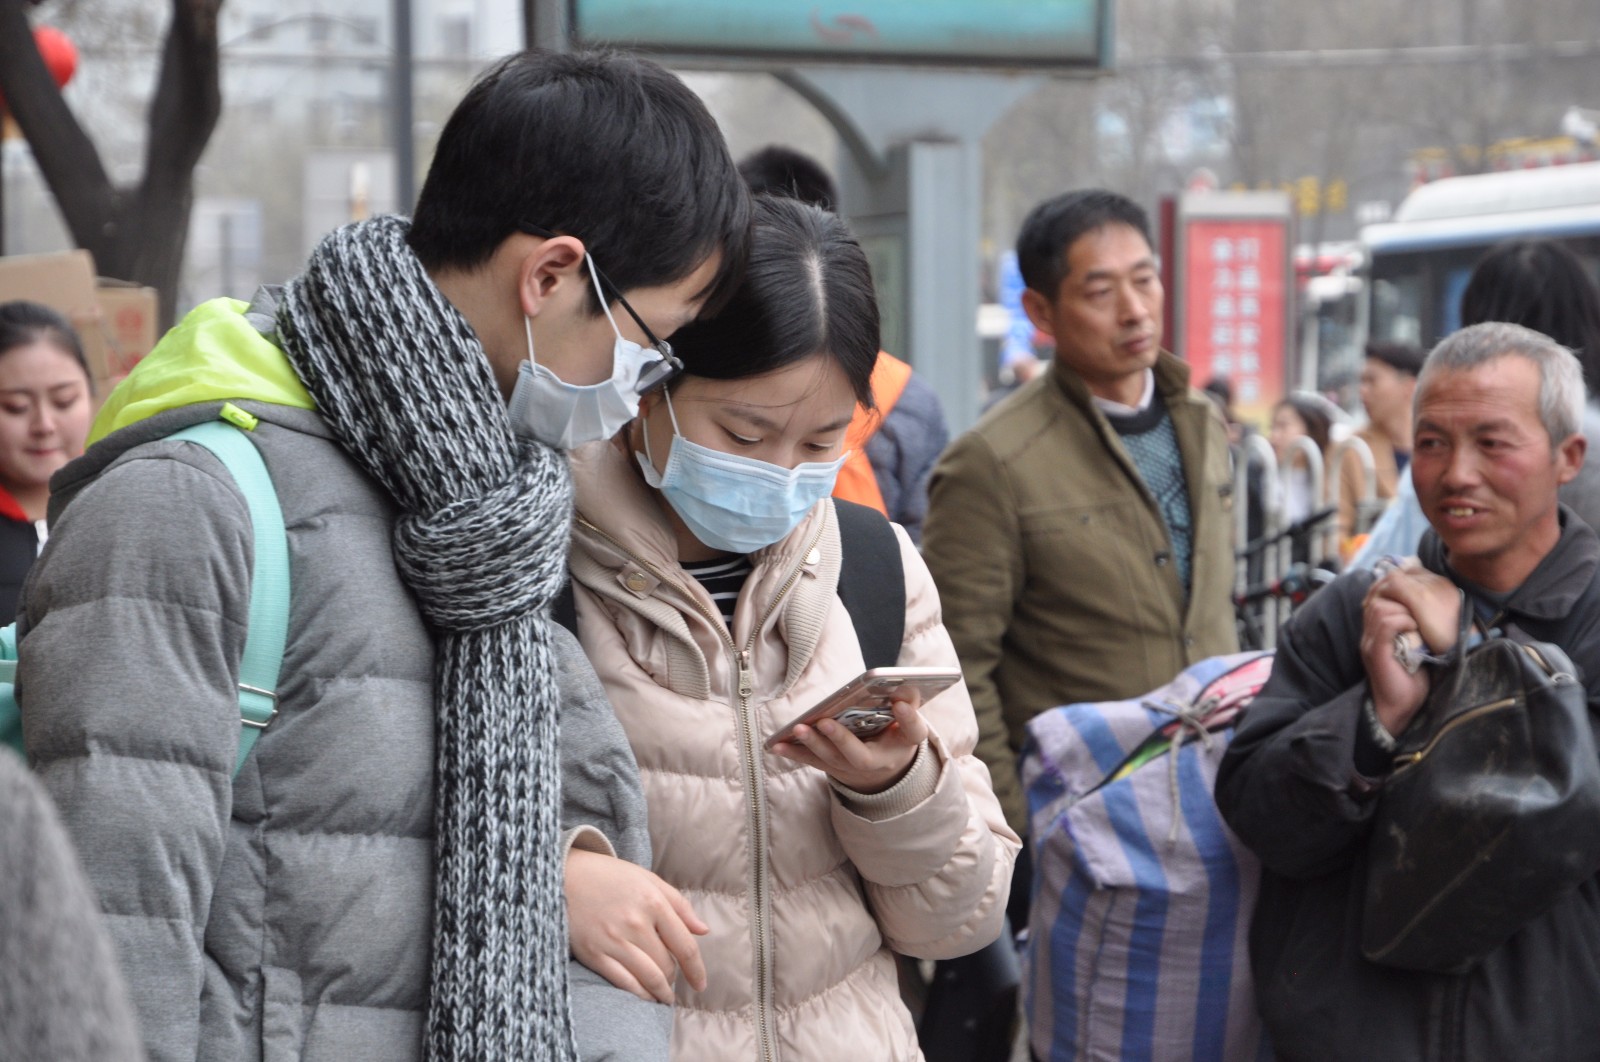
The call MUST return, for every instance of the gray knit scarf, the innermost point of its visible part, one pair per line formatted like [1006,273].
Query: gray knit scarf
[401,379]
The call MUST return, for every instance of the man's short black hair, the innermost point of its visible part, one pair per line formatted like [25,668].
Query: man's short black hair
[783,171]
[1052,227]
[1404,358]
[607,147]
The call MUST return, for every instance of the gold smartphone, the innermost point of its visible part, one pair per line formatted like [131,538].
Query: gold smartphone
[863,704]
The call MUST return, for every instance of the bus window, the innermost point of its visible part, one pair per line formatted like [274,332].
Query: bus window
[1421,260]
[1397,308]
[1455,282]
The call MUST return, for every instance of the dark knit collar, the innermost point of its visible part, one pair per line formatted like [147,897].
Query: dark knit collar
[1139,421]
[1171,372]
[1553,587]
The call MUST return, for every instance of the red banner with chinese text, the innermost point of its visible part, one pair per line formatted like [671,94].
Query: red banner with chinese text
[1236,299]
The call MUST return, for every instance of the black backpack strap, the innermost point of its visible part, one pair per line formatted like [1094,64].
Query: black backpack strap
[872,582]
[564,606]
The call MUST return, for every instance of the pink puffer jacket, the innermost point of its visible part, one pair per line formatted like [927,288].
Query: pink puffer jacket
[805,889]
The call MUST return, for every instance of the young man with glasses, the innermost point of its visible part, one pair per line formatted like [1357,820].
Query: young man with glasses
[381,877]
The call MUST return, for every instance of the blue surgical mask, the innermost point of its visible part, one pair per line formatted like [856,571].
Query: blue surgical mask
[733,503]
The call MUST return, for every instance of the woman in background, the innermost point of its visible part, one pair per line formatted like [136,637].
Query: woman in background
[1292,418]
[45,408]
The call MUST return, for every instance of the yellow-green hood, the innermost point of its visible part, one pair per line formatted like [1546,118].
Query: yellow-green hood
[213,354]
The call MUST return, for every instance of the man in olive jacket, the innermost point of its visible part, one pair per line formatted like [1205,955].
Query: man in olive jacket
[1081,533]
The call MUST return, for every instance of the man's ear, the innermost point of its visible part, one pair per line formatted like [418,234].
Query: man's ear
[1569,456]
[550,266]
[648,402]
[1038,308]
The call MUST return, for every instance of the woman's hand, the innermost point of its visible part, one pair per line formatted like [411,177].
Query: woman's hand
[630,927]
[866,766]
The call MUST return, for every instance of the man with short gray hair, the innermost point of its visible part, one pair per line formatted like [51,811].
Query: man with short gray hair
[1497,410]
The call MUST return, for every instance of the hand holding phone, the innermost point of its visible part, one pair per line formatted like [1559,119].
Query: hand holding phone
[862,705]
[819,738]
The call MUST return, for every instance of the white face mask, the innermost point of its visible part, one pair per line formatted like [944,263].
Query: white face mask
[547,408]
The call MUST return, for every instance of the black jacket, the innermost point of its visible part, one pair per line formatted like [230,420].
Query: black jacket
[1289,788]
[19,545]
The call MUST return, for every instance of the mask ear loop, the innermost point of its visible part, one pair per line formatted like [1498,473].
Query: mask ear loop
[666,393]
[527,324]
[600,291]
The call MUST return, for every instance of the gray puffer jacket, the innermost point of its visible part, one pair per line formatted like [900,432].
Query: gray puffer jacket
[285,913]
[61,997]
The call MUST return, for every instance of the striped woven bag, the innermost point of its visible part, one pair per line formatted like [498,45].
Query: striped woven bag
[1141,895]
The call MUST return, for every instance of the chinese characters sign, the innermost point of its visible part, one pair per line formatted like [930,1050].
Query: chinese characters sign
[1236,304]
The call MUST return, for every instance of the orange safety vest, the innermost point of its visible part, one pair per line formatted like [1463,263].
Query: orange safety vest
[856,481]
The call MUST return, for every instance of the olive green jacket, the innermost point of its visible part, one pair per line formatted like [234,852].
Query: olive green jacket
[1054,565]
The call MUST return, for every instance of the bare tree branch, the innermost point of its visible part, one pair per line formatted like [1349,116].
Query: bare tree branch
[188,97]
[66,156]
[134,234]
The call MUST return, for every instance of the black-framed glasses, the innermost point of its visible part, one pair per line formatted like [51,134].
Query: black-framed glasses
[658,373]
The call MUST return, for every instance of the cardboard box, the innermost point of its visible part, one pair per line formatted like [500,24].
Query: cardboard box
[64,281]
[128,314]
[116,320]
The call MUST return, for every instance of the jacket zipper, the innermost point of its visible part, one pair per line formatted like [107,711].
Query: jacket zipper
[745,676]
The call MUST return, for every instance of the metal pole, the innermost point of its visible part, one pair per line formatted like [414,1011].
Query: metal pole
[547,25]
[225,227]
[403,133]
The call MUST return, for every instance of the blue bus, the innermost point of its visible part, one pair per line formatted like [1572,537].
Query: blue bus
[1418,262]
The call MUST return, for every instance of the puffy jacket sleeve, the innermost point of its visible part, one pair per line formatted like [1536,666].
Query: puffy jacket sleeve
[134,622]
[601,795]
[1288,784]
[938,874]
[973,546]
[61,995]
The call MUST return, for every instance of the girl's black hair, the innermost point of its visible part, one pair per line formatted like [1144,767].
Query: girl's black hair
[807,290]
[1542,285]
[1319,426]
[23,323]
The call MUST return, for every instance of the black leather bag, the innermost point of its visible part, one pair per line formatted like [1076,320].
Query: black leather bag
[1492,812]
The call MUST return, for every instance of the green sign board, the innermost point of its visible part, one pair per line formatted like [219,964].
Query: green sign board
[1012,33]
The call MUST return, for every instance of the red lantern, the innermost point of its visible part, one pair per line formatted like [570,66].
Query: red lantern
[60,55]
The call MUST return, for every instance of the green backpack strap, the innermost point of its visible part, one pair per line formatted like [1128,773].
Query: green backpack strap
[10,711]
[269,579]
